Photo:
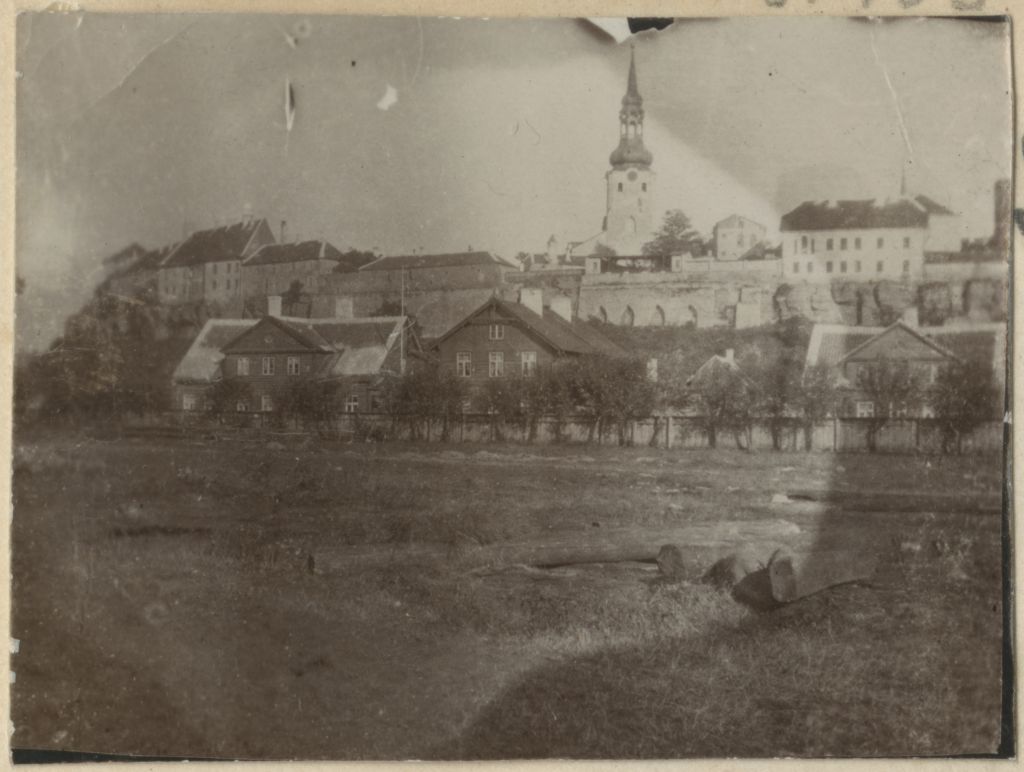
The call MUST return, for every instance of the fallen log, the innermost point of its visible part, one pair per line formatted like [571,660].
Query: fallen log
[790,575]
[699,544]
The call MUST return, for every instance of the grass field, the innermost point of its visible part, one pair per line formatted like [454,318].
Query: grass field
[166,602]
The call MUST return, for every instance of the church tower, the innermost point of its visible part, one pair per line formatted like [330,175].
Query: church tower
[628,222]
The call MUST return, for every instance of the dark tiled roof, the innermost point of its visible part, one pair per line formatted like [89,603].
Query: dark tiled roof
[271,254]
[214,245]
[931,206]
[840,215]
[831,343]
[454,260]
[129,254]
[576,337]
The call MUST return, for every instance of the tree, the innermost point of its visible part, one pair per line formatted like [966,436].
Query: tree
[311,402]
[292,297]
[603,250]
[425,394]
[725,399]
[225,397]
[894,387]
[777,385]
[676,236]
[815,399]
[963,398]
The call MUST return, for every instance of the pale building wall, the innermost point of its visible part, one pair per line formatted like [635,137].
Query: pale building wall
[856,254]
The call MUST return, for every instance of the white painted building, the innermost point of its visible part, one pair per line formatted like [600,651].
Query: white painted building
[859,240]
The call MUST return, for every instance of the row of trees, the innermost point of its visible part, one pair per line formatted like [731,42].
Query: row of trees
[609,395]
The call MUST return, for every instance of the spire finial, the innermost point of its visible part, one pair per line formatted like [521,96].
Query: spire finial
[631,87]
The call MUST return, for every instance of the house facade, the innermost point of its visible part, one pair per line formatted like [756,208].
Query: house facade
[206,266]
[504,339]
[735,236]
[855,240]
[270,355]
[272,268]
[850,351]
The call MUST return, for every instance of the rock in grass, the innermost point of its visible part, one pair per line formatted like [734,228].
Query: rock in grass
[670,561]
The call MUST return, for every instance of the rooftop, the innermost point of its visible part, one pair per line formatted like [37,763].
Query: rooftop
[450,260]
[868,213]
[272,254]
[228,242]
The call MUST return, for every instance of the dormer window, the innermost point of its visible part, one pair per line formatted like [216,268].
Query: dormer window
[496,332]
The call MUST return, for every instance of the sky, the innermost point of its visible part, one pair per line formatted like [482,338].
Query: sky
[140,128]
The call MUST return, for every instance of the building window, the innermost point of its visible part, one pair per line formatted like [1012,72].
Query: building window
[643,186]
[529,362]
[814,245]
[464,364]
[803,243]
[620,187]
[268,365]
[796,267]
[880,266]
[188,401]
[828,267]
[810,267]
[906,242]
[881,242]
[906,266]
[214,284]
[828,244]
[842,266]
[842,243]
[241,406]
[496,364]
[865,409]
[856,266]
[933,373]
[266,403]
[856,243]
[215,268]
[352,403]
[293,365]
[496,332]
[242,366]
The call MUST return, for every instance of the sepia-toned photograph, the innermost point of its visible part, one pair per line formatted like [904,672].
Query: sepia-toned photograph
[494,389]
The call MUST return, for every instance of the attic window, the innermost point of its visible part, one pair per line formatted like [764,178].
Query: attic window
[496,332]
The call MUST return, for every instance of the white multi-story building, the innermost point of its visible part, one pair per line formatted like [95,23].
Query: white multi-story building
[862,240]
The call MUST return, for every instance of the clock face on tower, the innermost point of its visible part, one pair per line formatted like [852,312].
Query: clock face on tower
[632,175]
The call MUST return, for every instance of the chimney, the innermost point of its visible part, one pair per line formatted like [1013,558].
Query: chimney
[323,248]
[562,306]
[532,298]
[284,232]
[730,355]
[910,316]
[343,308]
[273,305]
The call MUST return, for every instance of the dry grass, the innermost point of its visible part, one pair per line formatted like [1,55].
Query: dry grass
[188,564]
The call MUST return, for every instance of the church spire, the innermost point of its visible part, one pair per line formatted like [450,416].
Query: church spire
[631,89]
[631,150]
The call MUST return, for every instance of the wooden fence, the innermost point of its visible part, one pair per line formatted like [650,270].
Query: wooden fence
[913,435]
